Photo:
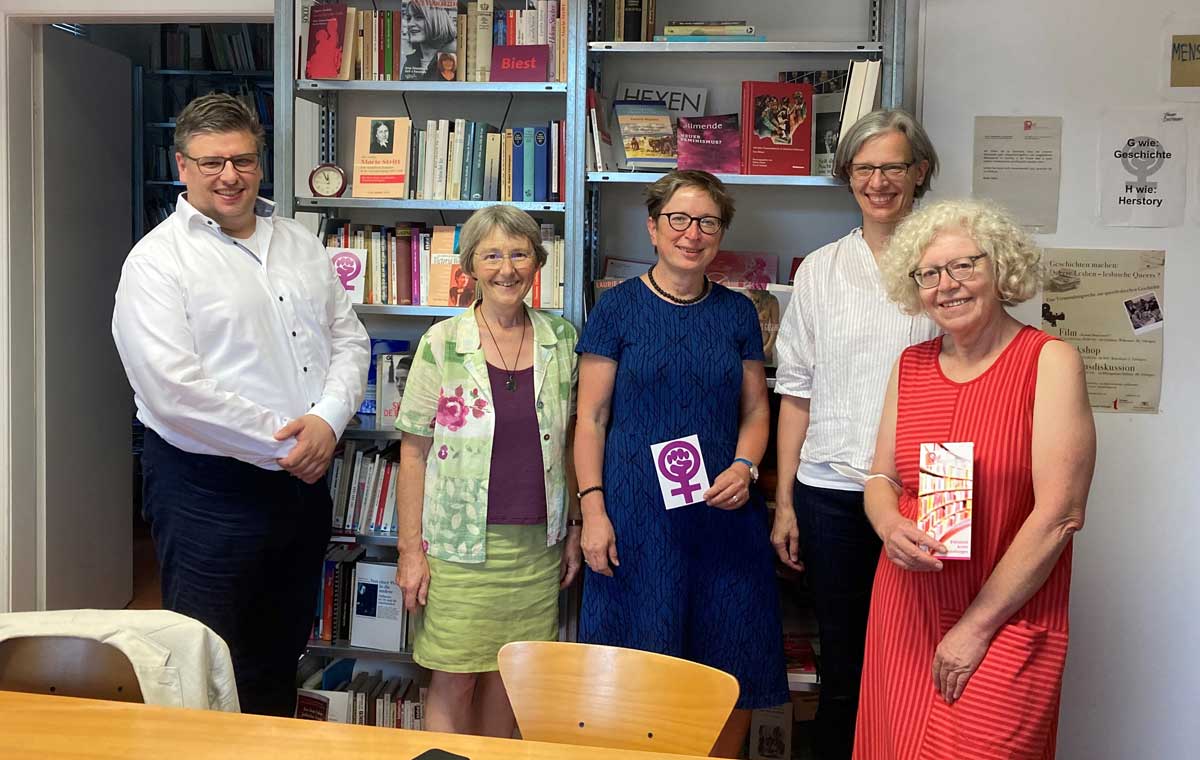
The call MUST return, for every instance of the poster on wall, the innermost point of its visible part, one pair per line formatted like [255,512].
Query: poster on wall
[1018,163]
[1143,168]
[1108,304]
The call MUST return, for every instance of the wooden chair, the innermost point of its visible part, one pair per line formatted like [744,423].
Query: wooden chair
[67,665]
[611,697]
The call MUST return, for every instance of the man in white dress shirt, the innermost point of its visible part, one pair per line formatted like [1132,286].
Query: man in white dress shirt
[246,361]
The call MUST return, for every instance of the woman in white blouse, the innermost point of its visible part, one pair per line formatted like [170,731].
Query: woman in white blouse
[836,347]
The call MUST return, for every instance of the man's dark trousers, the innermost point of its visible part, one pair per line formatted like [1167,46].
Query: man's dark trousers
[240,549]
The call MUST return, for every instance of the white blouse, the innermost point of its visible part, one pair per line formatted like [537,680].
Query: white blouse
[837,344]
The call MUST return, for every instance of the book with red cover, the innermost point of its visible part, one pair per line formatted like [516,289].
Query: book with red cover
[331,34]
[776,128]
[520,63]
[711,143]
[743,269]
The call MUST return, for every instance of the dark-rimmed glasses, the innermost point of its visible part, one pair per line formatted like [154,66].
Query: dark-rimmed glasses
[679,221]
[960,270]
[209,165]
[891,171]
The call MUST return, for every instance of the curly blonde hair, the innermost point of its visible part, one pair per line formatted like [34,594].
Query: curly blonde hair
[1013,256]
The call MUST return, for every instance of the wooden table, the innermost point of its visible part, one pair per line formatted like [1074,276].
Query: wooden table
[34,725]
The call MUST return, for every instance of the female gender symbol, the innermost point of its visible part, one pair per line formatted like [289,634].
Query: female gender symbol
[679,462]
[347,266]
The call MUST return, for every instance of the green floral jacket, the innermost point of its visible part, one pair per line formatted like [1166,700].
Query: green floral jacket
[448,396]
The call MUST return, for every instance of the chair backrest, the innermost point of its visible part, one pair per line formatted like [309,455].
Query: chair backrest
[68,665]
[612,697]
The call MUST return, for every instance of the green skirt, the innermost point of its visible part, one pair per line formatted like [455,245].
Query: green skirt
[474,609]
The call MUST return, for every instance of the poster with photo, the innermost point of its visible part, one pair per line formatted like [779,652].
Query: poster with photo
[1108,304]
[1143,168]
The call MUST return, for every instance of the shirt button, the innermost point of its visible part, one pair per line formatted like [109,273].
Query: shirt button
[540,405]
[305,369]
[293,333]
[281,298]
[546,437]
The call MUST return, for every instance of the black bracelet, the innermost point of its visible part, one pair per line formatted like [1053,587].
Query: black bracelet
[586,491]
[573,521]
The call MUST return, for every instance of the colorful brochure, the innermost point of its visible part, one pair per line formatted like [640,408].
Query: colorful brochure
[945,495]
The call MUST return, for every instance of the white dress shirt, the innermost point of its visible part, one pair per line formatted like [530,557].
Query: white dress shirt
[224,341]
[837,344]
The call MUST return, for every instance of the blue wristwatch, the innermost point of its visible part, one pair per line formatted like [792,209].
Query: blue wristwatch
[753,468]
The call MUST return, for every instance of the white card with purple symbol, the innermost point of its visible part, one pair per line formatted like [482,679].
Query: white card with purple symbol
[681,473]
[350,266]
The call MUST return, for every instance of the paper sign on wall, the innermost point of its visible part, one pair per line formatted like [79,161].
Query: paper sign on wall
[1143,168]
[681,474]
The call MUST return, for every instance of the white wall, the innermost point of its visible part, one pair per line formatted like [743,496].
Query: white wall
[1133,675]
[19,406]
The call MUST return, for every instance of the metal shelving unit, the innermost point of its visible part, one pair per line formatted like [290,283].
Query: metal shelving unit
[645,178]
[342,648]
[305,203]
[741,48]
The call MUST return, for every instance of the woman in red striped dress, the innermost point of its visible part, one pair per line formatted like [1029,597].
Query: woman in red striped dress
[964,657]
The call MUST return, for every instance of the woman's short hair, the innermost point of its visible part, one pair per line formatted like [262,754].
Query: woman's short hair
[215,113]
[881,122]
[663,189]
[440,24]
[1012,254]
[510,220]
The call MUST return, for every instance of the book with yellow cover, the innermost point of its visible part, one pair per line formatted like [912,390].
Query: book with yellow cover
[945,495]
[449,285]
[381,157]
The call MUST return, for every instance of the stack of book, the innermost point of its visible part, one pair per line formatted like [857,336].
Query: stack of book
[710,30]
[362,485]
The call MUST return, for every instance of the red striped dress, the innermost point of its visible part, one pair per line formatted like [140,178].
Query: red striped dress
[1009,708]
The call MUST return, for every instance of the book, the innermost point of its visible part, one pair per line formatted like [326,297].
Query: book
[380,156]
[680,101]
[711,38]
[318,704]
[771,733]
[331,34]
[742,269]
[448,284]
[391,373]
[378,620]
[827,114]
[350,266]
[770,303]
[861,95]
[429,40]
[647,138]
[520,63]
[945,495]
[776,132]
[682,30]
[823,81]
[711,143]
[623,269]
[602,143]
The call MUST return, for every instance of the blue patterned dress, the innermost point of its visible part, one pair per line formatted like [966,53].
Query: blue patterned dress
[694,582]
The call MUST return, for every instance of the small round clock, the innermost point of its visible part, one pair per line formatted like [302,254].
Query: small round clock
[327,181]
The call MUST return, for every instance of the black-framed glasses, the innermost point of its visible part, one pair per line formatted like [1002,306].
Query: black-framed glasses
[960,270]
[891,171]
[244,163]
[679,221]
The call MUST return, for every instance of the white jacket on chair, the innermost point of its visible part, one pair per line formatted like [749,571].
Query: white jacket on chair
[179,661]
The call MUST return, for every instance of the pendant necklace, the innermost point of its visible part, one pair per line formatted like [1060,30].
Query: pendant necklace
[510,383]
[676,299]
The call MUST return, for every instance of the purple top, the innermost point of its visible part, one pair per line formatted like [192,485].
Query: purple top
[517,492]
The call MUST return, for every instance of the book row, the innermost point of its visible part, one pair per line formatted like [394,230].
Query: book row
[413,265]
[362,485]
[208,47]
[783,128]
[348,692]
[457,159]
[434,40]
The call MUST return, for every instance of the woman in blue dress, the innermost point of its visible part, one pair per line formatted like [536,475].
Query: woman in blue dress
[666,356]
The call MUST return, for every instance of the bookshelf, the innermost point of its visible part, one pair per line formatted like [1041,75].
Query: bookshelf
[185,67]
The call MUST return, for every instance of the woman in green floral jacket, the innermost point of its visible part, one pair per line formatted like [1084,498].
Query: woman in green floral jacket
[486,493]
